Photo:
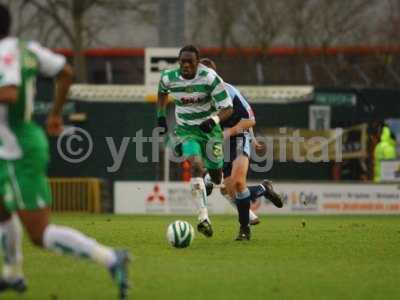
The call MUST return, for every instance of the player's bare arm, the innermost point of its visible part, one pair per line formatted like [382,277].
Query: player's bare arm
[225,113]
[63,82]
[239,128]
[258,146]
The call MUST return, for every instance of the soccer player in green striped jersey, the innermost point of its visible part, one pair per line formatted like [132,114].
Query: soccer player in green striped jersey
[201,103]
[24,156]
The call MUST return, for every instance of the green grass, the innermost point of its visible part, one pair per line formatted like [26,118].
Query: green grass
[331,258]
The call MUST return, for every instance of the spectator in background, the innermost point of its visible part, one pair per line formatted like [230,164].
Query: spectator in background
[384,150]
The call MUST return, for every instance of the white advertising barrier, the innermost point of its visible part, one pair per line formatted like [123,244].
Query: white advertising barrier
[162,198]
[132,197]
[390,170]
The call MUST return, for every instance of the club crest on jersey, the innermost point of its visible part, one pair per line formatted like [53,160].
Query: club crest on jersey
[217,150]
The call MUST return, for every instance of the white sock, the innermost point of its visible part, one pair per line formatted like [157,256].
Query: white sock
[252,215]
[11,245]
[65,240]
[200,196]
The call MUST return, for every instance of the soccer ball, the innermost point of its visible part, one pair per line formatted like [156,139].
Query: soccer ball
[180,234]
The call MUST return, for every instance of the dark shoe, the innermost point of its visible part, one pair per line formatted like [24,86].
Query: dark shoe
[119,272]
[205,228]
[19,285]
[271,195]
[244,234]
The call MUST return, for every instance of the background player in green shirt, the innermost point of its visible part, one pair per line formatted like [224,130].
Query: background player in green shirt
[201,103]
[24,157]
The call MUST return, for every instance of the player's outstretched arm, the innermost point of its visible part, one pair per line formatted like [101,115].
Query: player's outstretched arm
[162,101]
[239,127]
[258,146]
[62,84]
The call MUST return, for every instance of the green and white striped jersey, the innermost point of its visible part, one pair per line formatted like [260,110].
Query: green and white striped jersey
[195,99]
[20,64]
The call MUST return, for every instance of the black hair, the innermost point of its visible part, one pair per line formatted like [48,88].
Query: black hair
[190,48]
[5,20]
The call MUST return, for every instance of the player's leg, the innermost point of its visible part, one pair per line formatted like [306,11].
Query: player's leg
[227,171]
[62,239]
[208,183]
[67,241]
[198,187]
[191,150]
[10,239]
[241,146]
[199,195]
[237,146]
[254,220]
[266,189]
[32,195]
[212,178]
[11,248]
[215,175]
[212,155]
[237,187]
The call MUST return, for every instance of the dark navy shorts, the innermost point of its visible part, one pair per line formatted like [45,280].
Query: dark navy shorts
[234,147]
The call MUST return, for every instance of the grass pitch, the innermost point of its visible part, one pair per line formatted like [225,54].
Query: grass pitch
[328,258]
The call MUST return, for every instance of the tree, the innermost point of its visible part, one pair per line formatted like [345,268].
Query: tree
[79,23]
[264,22]
[301,16]
[324,23]
[388,31]
[213,22]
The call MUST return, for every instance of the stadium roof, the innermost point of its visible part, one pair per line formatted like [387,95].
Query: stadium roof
[141,93]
